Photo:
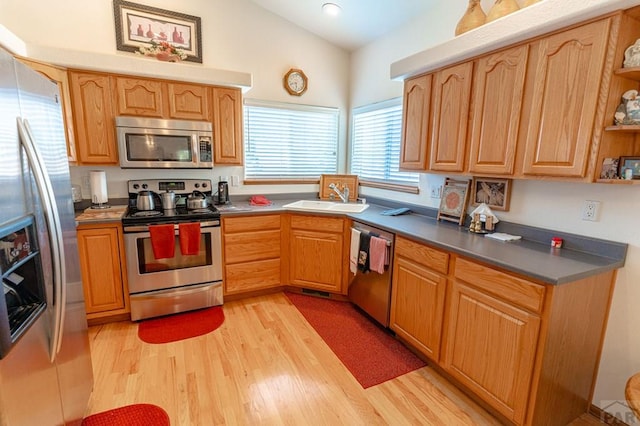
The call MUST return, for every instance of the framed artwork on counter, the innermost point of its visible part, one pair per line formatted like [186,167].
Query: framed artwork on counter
[139,26]
[453,204]
[496,193]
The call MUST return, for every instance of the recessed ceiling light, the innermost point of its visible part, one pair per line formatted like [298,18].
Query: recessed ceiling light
[331,9]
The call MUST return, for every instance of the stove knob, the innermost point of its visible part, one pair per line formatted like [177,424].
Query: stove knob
[204,184]
[136,186]
[145,186]
[197,185]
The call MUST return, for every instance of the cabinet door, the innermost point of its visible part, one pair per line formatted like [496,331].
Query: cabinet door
[93,113]
[101,272]
[60,77]
[566,73]
[316,260]
[188,101]
[490,348]
[139,97]
[417,305]
[451,101]
[415,118]
[227,126]
[497,92]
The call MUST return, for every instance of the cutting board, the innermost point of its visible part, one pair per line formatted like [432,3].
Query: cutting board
[350,181]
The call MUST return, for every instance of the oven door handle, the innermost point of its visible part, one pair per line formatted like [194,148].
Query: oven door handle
[198,288]
[145,228]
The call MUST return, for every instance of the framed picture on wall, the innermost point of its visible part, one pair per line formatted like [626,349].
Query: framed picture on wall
[496,193]
[144,26]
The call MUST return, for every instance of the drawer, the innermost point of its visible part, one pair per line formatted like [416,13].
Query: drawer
[250,223]
[252,276]
[246,247]
[432,258]
[507,287]
[317,223]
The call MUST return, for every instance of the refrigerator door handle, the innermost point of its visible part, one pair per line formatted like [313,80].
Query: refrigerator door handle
[52,218]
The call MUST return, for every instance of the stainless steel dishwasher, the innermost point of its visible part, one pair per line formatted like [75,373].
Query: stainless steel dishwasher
[371,291]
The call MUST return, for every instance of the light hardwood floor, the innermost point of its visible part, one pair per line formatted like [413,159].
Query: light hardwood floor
[264,365]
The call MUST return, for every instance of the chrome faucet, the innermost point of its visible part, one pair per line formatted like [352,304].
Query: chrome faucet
[344,196]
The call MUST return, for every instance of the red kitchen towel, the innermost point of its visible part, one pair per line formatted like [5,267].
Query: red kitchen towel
[163,241]
[259,200]
[377,254]
[190,238]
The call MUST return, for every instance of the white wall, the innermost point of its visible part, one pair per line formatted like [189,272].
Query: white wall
[237,35]
[551,205]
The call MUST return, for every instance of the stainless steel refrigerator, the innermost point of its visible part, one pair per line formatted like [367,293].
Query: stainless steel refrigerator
[45,367]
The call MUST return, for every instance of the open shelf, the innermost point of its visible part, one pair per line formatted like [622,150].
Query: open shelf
[632,73]
[628,128]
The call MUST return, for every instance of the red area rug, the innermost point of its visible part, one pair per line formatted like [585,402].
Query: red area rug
[371,355]
[130,415]
[172,328]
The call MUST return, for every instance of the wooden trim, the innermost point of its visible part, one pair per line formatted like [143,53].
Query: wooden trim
[284,181]
[391,186]
[91,321]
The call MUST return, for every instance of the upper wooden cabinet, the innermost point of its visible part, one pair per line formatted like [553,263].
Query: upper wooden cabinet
[565,72]
[60,77]
[188,101]
[140,97]
[97,98]
[415,116]
[537,109]
[227,126]
[497,98]
[450,114]
[93,113]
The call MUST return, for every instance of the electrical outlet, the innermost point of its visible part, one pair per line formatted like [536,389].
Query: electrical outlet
[235,180]
[590,210]
[86,185]
[435,191]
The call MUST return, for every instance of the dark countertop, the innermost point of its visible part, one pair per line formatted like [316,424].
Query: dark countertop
[532,256]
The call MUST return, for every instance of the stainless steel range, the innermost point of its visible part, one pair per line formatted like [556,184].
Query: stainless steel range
[176,281]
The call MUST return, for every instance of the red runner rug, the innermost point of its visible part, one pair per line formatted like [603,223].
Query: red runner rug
[172,328]
[130,415]
[371,355]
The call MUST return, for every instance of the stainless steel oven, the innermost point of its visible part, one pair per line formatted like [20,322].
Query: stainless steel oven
[179,282]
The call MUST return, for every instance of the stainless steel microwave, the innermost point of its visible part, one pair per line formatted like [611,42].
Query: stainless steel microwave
[160,144]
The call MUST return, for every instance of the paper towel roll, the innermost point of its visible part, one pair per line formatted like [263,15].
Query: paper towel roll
[98,182]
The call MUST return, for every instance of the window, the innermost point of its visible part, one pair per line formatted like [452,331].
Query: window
[375,141]
[288,141]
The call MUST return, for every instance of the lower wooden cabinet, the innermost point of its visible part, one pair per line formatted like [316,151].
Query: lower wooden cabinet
[491,348]
[104,279]
[418,296]
[317,253]
[252,250]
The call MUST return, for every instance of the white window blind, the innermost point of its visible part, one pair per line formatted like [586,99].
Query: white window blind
[288,141]
[376,135]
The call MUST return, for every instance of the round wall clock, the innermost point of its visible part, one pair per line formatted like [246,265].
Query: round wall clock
[295,81]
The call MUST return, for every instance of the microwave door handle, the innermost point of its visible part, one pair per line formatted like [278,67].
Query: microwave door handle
[52,218]
[195,148]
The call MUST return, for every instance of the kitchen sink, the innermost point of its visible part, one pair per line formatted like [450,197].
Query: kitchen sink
[326,206]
